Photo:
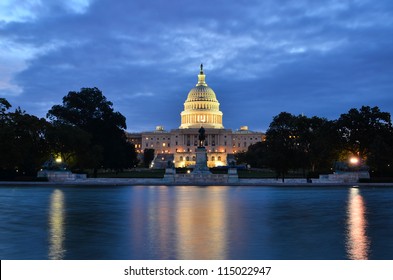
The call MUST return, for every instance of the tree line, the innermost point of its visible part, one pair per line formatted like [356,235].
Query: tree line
[84,131]
[87,133]
[316,145]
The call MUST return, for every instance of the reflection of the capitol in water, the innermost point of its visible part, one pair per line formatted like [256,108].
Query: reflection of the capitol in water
[56,226]
[202,226]
[357,240]
[191,226]
[189,223]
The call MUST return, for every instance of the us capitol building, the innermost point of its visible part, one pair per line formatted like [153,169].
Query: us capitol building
[201,109]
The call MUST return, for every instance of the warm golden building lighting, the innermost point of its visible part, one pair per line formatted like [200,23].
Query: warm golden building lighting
[201,108]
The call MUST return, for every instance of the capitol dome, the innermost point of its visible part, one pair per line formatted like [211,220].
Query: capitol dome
[201,107]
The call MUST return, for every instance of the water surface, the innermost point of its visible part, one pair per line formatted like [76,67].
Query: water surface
[215,222]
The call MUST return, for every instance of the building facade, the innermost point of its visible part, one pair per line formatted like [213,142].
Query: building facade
[201,109]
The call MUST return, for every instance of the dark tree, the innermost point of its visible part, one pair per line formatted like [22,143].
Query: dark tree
[72,144]
[300,143]
[23,146]
[360,129]
[255,156]
[316,143]
[148,156]
[7,137]
[90,111]
[4,106]
[323,144]
[281,141]
[380,158]
[242,158]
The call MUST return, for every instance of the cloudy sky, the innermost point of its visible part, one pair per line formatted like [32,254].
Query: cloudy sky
[261,57]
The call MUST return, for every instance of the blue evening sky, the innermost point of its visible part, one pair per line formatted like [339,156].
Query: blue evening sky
[261,57]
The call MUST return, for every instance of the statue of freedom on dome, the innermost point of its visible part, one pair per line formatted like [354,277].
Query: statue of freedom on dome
[202,136]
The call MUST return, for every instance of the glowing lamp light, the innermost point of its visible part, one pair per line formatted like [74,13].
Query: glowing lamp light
[354,160]
[58,160]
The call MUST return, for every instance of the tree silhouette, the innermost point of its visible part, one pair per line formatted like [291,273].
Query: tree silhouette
[90,111]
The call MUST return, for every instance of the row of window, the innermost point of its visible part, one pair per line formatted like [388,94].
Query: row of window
[238,145]
[187,158]
[244,138]
[158,144]
[158,138]
[188,136]
[196,143]
[188,150]
[195,136]
[189,144]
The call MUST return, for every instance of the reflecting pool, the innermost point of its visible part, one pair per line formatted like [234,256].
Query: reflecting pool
[190,222]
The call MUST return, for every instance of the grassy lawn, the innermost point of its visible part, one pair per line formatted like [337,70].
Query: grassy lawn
[264,174]
[137,173]
[159,173]
[250,174]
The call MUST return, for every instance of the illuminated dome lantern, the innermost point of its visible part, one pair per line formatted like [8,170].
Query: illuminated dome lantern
[201,107]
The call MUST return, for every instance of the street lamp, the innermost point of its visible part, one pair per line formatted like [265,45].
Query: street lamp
[354,160]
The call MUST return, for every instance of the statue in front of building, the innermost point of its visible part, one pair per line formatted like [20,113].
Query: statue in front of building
[202,136]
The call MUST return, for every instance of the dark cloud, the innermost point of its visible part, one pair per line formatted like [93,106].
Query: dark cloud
[261,57]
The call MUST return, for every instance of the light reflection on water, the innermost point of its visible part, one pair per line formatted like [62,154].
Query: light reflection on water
[214,222]
[56,226]
[357,239]
[202,224]
[181,223]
